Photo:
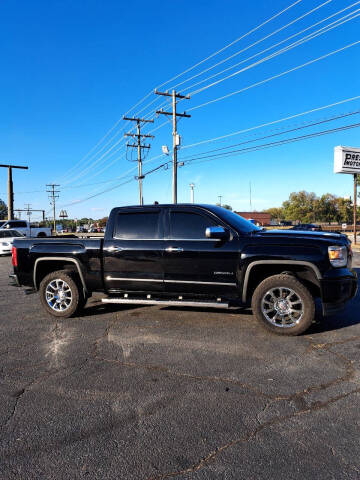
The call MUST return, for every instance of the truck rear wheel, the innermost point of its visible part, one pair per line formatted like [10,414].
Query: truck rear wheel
[60,294]
[283,305]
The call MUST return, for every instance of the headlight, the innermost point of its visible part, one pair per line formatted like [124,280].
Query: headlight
[5,244]
[338,256]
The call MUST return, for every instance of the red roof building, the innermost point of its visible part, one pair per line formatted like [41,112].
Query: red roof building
[259,217]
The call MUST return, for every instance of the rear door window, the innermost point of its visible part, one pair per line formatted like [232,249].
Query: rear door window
[17,224]
[137,225]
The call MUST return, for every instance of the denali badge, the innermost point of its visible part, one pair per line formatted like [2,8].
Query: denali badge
[223,273]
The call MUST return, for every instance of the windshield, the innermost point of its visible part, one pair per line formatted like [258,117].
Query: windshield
[235,220]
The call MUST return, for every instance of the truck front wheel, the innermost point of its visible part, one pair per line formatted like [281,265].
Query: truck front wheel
[60,294]
[283,305]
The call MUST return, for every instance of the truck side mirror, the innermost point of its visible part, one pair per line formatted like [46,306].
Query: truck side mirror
[216,232]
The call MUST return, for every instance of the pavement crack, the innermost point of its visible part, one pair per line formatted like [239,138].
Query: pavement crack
[248,437]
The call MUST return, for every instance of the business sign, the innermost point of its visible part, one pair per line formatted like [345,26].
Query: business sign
[346,160]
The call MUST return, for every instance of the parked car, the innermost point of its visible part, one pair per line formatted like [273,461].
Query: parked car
[192,255]
[307,226]
[25,227]
[6,240]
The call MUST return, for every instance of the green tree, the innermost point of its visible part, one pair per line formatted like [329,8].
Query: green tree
[228,207]
[326,208]
[344,210]
[102,221]
[301,207]
[3,210]
[276,213]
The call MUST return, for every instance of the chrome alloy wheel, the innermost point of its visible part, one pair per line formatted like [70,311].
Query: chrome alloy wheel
[58,295]
[282,307]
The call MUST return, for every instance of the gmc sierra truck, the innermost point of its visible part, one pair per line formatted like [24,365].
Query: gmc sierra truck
[192,255]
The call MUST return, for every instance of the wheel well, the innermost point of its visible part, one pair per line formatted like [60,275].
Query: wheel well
[49,266]
[304,274]
[41,234]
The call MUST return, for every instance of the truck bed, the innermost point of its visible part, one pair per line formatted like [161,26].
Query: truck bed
[84,253]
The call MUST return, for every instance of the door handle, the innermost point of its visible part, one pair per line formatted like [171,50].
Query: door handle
[115,249]
[174,249]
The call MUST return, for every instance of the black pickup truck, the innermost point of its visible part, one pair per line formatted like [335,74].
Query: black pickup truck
[192,255]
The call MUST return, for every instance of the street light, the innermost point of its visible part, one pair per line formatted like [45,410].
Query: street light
[192,185]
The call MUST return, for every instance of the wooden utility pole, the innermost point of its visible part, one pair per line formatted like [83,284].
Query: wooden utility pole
[176,138]
[53,198]
[139,147]
[11,188]
[355,197]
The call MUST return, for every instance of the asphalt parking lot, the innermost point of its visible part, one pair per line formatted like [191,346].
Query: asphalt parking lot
[155,393]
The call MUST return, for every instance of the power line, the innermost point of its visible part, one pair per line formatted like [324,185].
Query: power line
[231,43]
[272,144]
[262,125]
[107,152]
[251,45]
[170,80]
[235,152]
[266,49]
[285,49]
[301,127]
[276,76]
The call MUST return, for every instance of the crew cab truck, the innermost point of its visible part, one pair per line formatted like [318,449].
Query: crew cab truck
[26,228]
[192,255]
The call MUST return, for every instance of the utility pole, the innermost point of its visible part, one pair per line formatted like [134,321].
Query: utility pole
[28,210]
[11,188]
[192,192]
[52,196]
[176,138]
[139,147]
[250,196]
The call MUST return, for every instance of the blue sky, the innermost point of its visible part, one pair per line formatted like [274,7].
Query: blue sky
[71,69]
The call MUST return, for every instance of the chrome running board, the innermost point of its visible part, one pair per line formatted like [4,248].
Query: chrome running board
[176,303]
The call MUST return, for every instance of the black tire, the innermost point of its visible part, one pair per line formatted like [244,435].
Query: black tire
[271,314]
[72,305]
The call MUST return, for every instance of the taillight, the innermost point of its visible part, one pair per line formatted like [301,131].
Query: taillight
[14,256]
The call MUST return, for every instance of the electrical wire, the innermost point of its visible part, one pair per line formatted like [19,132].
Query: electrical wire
[285,49]
[77,165]
[84,171]
[273,144]
[283,132]
[235,152]
[231,43]
[252,45]
[322,57]
[283,119]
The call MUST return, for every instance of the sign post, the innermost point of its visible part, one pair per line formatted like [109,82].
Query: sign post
[355,197]
[347,160]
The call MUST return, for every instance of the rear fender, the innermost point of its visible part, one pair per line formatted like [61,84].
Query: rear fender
[64,260]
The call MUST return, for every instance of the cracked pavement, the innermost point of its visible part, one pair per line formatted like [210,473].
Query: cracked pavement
[127,392]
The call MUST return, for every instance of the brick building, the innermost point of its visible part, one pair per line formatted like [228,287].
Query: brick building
[259,217]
